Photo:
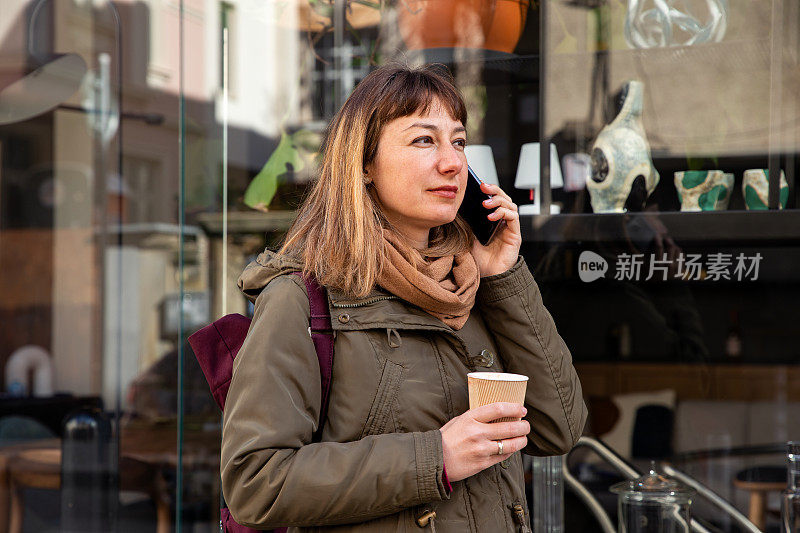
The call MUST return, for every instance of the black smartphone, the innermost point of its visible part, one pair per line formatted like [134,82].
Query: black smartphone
[474,212]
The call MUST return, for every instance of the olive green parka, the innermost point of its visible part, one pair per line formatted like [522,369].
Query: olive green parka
[399,374]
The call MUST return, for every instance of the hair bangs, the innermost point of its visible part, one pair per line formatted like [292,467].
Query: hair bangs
[419,91]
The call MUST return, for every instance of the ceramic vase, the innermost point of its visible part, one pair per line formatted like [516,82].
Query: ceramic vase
[427,24]
[704,190]
[621,159]
[755,189]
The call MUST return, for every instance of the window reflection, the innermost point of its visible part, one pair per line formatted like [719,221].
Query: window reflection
[115,129]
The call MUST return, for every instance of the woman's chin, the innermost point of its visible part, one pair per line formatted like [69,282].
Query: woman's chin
[428,220]
[441,221]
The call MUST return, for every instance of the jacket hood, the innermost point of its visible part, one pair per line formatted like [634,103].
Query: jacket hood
[266,267]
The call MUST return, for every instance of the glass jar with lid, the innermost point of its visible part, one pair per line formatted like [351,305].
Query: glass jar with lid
[790,508]
[653,503]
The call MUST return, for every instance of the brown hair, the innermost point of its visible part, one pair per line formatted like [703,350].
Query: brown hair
[338,232]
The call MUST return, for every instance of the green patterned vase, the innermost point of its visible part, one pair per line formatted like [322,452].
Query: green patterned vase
[704,190]
[755,189]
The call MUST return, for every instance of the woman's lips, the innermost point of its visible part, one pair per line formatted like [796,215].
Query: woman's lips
[445,192]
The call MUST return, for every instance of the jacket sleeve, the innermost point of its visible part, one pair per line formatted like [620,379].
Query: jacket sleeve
[272,473]
[529,344]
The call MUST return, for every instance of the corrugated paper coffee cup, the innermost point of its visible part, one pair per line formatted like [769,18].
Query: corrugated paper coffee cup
[491,387]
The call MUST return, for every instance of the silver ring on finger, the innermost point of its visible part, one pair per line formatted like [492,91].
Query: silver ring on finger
[500,447]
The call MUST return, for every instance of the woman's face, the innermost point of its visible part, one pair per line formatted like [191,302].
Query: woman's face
[420,172]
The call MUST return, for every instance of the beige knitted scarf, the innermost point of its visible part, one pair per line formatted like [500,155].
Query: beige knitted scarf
[445,287]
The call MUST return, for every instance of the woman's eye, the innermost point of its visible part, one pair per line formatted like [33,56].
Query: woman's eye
[460,142]
[423,140]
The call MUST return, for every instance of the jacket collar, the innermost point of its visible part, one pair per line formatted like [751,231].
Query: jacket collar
[337,297]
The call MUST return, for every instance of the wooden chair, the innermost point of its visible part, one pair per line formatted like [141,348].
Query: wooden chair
[759,481]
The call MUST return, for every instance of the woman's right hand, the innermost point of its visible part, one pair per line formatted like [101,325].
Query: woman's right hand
[470,440]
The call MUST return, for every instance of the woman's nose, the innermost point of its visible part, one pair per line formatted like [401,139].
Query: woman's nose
[450,160]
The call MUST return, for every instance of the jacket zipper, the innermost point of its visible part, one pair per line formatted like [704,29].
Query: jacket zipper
[427,518]
[519,517]
[365,302]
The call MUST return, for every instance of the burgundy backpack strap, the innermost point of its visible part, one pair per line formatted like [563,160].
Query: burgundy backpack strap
[322,335]
[226,335]
[215,347]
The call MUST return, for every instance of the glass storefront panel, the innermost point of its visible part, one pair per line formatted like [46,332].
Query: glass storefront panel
[149,149]
[89,245]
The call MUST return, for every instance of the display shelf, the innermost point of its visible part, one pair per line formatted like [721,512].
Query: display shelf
[247,221]
[732,227]
[736,227]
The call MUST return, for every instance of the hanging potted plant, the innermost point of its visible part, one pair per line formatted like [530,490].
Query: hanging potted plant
[507,25]
[490,24]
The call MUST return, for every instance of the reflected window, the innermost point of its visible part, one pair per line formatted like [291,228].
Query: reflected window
[227,21]
[346,66]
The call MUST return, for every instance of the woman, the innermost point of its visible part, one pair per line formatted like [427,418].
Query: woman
[416,303]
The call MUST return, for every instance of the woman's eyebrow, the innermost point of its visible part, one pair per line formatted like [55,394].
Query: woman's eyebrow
[433,127]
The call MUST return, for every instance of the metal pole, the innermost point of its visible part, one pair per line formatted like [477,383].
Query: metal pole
[181,261]
[775,103]
[544,191]
[224,281]
[338,43]
[548,494]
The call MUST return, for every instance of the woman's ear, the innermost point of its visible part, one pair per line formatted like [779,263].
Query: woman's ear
[367,173]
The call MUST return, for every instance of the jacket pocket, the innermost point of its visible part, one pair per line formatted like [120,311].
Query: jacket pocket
[380,413]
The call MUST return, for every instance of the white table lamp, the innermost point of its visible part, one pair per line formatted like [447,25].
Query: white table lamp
[481,160]
[528,177]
